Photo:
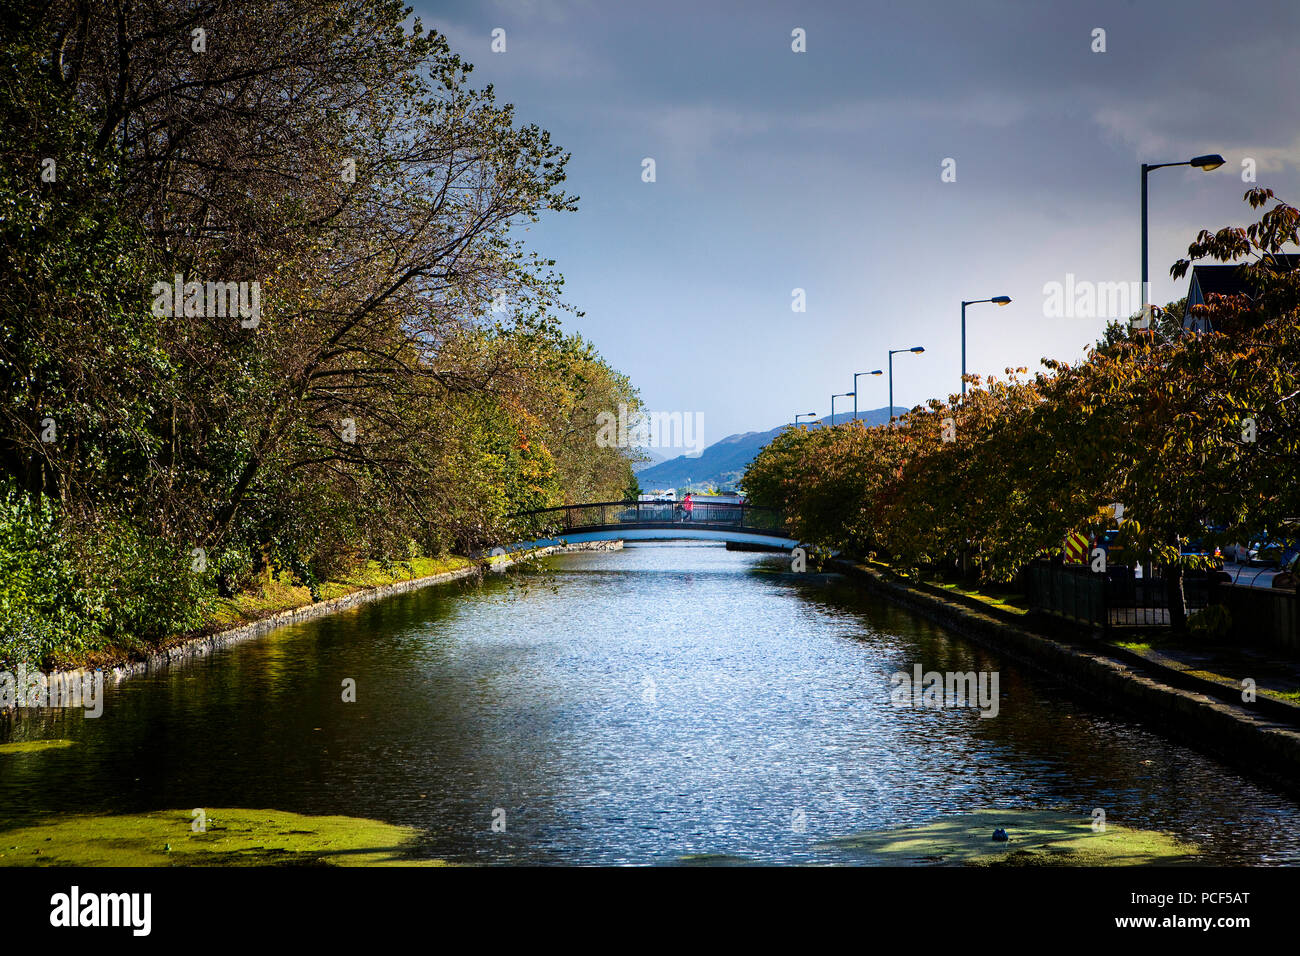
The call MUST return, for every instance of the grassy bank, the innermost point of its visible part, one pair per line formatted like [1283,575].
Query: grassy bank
[1003,598]
[1221,664]
[272,595]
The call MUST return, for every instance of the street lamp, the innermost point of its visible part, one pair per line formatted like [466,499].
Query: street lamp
[812,415]
[856,376]
[833,397]
[892,352]
[1207,162]
[996,300]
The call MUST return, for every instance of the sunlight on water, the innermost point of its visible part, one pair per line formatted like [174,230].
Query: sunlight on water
[661,702]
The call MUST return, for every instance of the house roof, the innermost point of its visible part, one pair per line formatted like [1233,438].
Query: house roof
[1207,280]
[1216,280]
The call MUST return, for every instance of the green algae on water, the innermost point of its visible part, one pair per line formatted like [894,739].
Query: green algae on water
[1035,838]
[34,746]
[231,837]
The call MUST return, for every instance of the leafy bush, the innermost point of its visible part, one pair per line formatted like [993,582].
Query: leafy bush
[43,604]
[1214,623]
[149,587]
[66,591]
[234,571]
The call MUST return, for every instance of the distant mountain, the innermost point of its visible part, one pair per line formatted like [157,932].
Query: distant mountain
[723,462]
[653,457]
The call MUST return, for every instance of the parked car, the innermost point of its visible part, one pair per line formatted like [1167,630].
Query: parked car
[1277,553]
[1238,552]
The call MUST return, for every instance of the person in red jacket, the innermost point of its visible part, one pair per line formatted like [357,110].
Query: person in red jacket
[687,505]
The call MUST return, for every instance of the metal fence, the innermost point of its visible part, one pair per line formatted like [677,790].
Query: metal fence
[1116,598]
[1070,592]
[1144,602]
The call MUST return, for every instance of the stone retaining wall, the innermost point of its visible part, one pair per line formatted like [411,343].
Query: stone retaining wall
[1235,733]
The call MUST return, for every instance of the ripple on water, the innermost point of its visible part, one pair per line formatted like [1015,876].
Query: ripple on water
[662,704]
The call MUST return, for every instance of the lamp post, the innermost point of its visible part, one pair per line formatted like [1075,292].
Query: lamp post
[812,415]
[856,376]
[833,397]
[1207,162]
[997,300]
[892,352]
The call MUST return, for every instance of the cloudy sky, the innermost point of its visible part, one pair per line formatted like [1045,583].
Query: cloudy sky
[821,171]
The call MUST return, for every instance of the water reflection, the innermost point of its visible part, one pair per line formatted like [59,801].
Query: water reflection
[641,706]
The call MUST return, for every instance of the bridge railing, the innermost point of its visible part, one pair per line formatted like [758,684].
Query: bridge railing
[606,515]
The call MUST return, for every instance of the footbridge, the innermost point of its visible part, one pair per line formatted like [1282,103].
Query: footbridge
[652,521]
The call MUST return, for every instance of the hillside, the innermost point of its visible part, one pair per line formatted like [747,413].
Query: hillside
[723,462]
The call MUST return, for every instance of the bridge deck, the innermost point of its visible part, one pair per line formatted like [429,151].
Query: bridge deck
[653,521]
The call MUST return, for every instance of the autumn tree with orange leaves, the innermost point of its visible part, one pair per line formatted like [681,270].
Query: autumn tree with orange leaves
[1195,433]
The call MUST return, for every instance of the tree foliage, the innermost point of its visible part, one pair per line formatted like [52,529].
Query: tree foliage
[1195,433]
[403,382]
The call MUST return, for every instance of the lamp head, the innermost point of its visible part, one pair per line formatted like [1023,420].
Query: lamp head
[1208,161]
[917,348]
[1001,300]
[877,372]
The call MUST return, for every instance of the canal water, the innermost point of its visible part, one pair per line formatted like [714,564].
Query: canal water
[645,706]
